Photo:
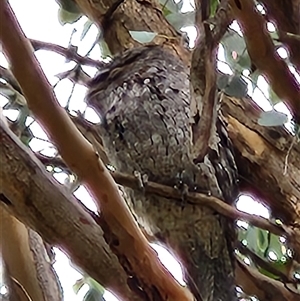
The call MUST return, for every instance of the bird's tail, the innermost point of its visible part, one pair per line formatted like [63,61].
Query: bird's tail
[207,260]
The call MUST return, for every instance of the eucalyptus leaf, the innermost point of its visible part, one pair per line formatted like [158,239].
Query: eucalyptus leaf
[262,240]
[275,37]
[65,17]
[268,274]
[213,7]
[242,235]
[171,5]
[232,85]
[179,20]
[254,78]
[69,5]
[236,54]
[86,27]
[276,247]
[93,295]
[105,52]
[272,118]
[78,285]
[251,239]
[273,96]
[95,285]
[143,36]
[237,87]
[26,137]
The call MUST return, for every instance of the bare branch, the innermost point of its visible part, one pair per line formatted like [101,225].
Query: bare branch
[204,98]
[69,53]
[264,56]
[25,258]
[55,214]
[261,286]
[286,15]
[260,156]
[267,266]
[131,16]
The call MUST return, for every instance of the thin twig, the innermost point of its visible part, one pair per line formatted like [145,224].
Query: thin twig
[69,53]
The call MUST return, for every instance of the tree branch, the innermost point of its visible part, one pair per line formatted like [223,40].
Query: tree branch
[56,215]
[25,258]
[261,286]
[267,266]
[286,15]
[264,56]
[191,197]
[69,53]
[132,15]
[204,98]
[262,156]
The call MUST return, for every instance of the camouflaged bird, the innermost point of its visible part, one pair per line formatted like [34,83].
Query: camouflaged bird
[143,99]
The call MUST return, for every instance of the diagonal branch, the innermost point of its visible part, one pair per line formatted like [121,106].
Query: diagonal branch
[262,155]
[191,197]
[204,98]
[69,53]
[263,287]
[286,15]
[264,56]
[117,18]
[26,260]
[56,215]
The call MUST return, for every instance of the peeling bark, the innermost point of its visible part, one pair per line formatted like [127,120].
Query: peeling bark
[25,258]
[261,154]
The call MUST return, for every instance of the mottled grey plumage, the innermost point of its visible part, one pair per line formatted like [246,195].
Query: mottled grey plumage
[143,100]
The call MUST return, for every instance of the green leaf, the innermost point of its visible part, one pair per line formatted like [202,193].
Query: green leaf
[283,265]
[272,118]
[69,5]
[275,37]
[86,27]
[143,36]
[236,54]
[105,52]
[262,240]
[65,17]
[274,99]
[276,246]
[78,285]
[242,235]
[95,285]
[213,7]
[179,20]
[171,6]
[251,238]
[26,138]
[268,274]
[257,240]
[254,77]
[232,85]
[93,295]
